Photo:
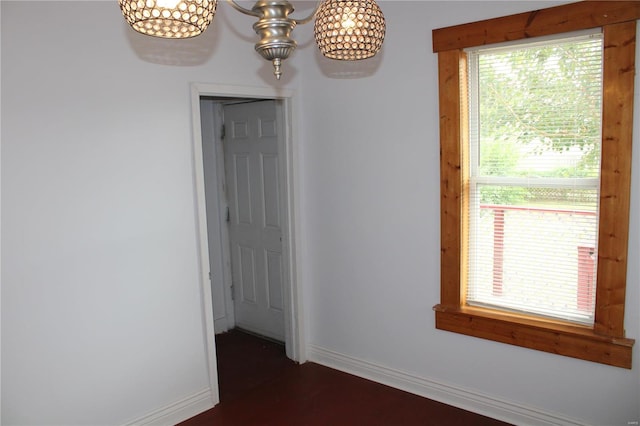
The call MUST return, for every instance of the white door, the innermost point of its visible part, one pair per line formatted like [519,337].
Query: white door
[252,173]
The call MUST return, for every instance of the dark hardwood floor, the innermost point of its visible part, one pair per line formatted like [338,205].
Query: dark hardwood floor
[260,386]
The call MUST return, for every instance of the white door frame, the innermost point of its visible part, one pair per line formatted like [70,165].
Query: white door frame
[288,152]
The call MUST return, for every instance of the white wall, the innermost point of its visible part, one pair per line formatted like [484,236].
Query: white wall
[101,307]
[101,300]
[372,182]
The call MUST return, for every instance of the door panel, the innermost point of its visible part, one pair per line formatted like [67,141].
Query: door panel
[242,195]
[253,177]
[247,276]
[274,277]
[271,196]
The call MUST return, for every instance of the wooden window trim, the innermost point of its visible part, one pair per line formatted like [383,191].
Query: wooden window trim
[605,342]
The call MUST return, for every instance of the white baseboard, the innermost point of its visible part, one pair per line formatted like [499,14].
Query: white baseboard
[452,395]
[178,411]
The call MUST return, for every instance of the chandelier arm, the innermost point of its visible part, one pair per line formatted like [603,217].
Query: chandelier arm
[311,16]
[241,9]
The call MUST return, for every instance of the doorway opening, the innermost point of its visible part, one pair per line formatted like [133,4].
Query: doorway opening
[246,362]
[245,178]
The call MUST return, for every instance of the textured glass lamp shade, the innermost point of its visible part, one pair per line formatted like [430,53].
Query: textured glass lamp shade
[349,30]
[169,18]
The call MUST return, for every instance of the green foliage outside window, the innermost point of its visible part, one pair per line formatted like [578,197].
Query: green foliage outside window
[539,103]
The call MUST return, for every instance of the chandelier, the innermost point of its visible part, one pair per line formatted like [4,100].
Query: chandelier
[343,30]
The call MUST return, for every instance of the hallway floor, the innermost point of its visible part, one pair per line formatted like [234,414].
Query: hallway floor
[260,386]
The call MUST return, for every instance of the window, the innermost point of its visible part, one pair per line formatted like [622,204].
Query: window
[535,116]
[535,173]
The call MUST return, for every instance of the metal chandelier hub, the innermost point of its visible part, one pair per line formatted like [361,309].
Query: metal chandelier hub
[274,28]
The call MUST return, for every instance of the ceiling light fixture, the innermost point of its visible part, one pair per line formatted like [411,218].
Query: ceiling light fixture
[344,30]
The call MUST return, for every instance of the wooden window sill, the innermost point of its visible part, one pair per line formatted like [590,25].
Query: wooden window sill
[545,335]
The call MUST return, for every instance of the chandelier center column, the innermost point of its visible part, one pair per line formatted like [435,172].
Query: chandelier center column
[274,28]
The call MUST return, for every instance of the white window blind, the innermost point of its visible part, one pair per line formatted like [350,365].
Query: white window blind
[534,174]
